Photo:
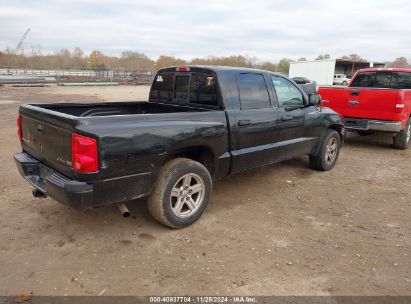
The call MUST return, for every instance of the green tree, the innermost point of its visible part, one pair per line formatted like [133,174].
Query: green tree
[322,57]
[354,57]
[284,65]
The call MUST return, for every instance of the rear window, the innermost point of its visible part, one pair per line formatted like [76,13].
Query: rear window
[253,91]
[401,80]
[396,80]
[162,87]
[182,86]
[192,87]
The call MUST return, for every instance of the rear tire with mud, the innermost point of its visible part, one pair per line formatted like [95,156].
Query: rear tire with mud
[181,193]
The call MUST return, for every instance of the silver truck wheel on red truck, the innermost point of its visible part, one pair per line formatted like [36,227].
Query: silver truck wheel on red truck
[181,193]
[402,140]
[329,152]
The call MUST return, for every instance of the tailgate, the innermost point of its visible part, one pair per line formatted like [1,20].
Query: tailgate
[47,141]
[361,102]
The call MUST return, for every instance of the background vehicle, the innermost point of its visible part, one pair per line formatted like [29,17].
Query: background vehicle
[309,86]
[340,79]
[375,100]
[200,124]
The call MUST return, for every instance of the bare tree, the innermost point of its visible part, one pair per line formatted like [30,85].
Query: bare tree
[164,61]
[400,62]
[268,66]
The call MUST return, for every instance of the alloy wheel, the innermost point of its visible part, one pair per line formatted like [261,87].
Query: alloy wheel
[332,151]
[187,195]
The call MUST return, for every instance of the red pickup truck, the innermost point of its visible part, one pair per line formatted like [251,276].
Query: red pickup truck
[375,100]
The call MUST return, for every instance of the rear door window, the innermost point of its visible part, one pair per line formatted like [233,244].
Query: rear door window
[253,91]
[364,80]
[203,89]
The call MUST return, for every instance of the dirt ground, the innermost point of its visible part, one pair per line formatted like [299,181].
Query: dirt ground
[278,230]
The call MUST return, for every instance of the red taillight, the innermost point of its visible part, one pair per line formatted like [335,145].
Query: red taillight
[84,155]
[19,127]
[399,107]
[183,69]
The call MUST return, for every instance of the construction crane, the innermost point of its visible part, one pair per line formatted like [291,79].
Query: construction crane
[22,39]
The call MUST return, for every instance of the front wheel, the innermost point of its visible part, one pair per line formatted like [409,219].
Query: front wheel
[402,140]
[181,194]
[329,152]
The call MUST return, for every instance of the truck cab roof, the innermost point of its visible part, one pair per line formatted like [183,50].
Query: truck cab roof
[219,68]
[385,70]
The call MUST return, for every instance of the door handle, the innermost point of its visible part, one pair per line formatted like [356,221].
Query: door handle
[353,103]
[286,117]
[244,122]
[355,93]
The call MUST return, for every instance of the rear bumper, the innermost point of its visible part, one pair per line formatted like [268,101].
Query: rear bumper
[78,194]
[373,125]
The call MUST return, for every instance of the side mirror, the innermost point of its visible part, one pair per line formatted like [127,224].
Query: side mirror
[314,99]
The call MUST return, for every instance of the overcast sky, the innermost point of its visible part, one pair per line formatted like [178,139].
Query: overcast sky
[270,30]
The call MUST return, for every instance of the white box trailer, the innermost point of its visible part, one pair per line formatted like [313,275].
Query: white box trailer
[322,71]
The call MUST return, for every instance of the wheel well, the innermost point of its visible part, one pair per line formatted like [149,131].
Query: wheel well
[338,128]
[202,154]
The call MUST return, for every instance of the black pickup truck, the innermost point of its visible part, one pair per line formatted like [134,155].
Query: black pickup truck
[200,123]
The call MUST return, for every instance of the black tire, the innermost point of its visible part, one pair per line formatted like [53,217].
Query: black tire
[345,83]
[365,132]
[402,139]
[164,204]
[321,161]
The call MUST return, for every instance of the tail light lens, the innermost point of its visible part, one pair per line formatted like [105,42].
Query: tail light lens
[84,155]
[399,107]
[19,134]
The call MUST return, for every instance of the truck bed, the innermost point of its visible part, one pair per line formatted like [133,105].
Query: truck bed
[119,108]
[47,130]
